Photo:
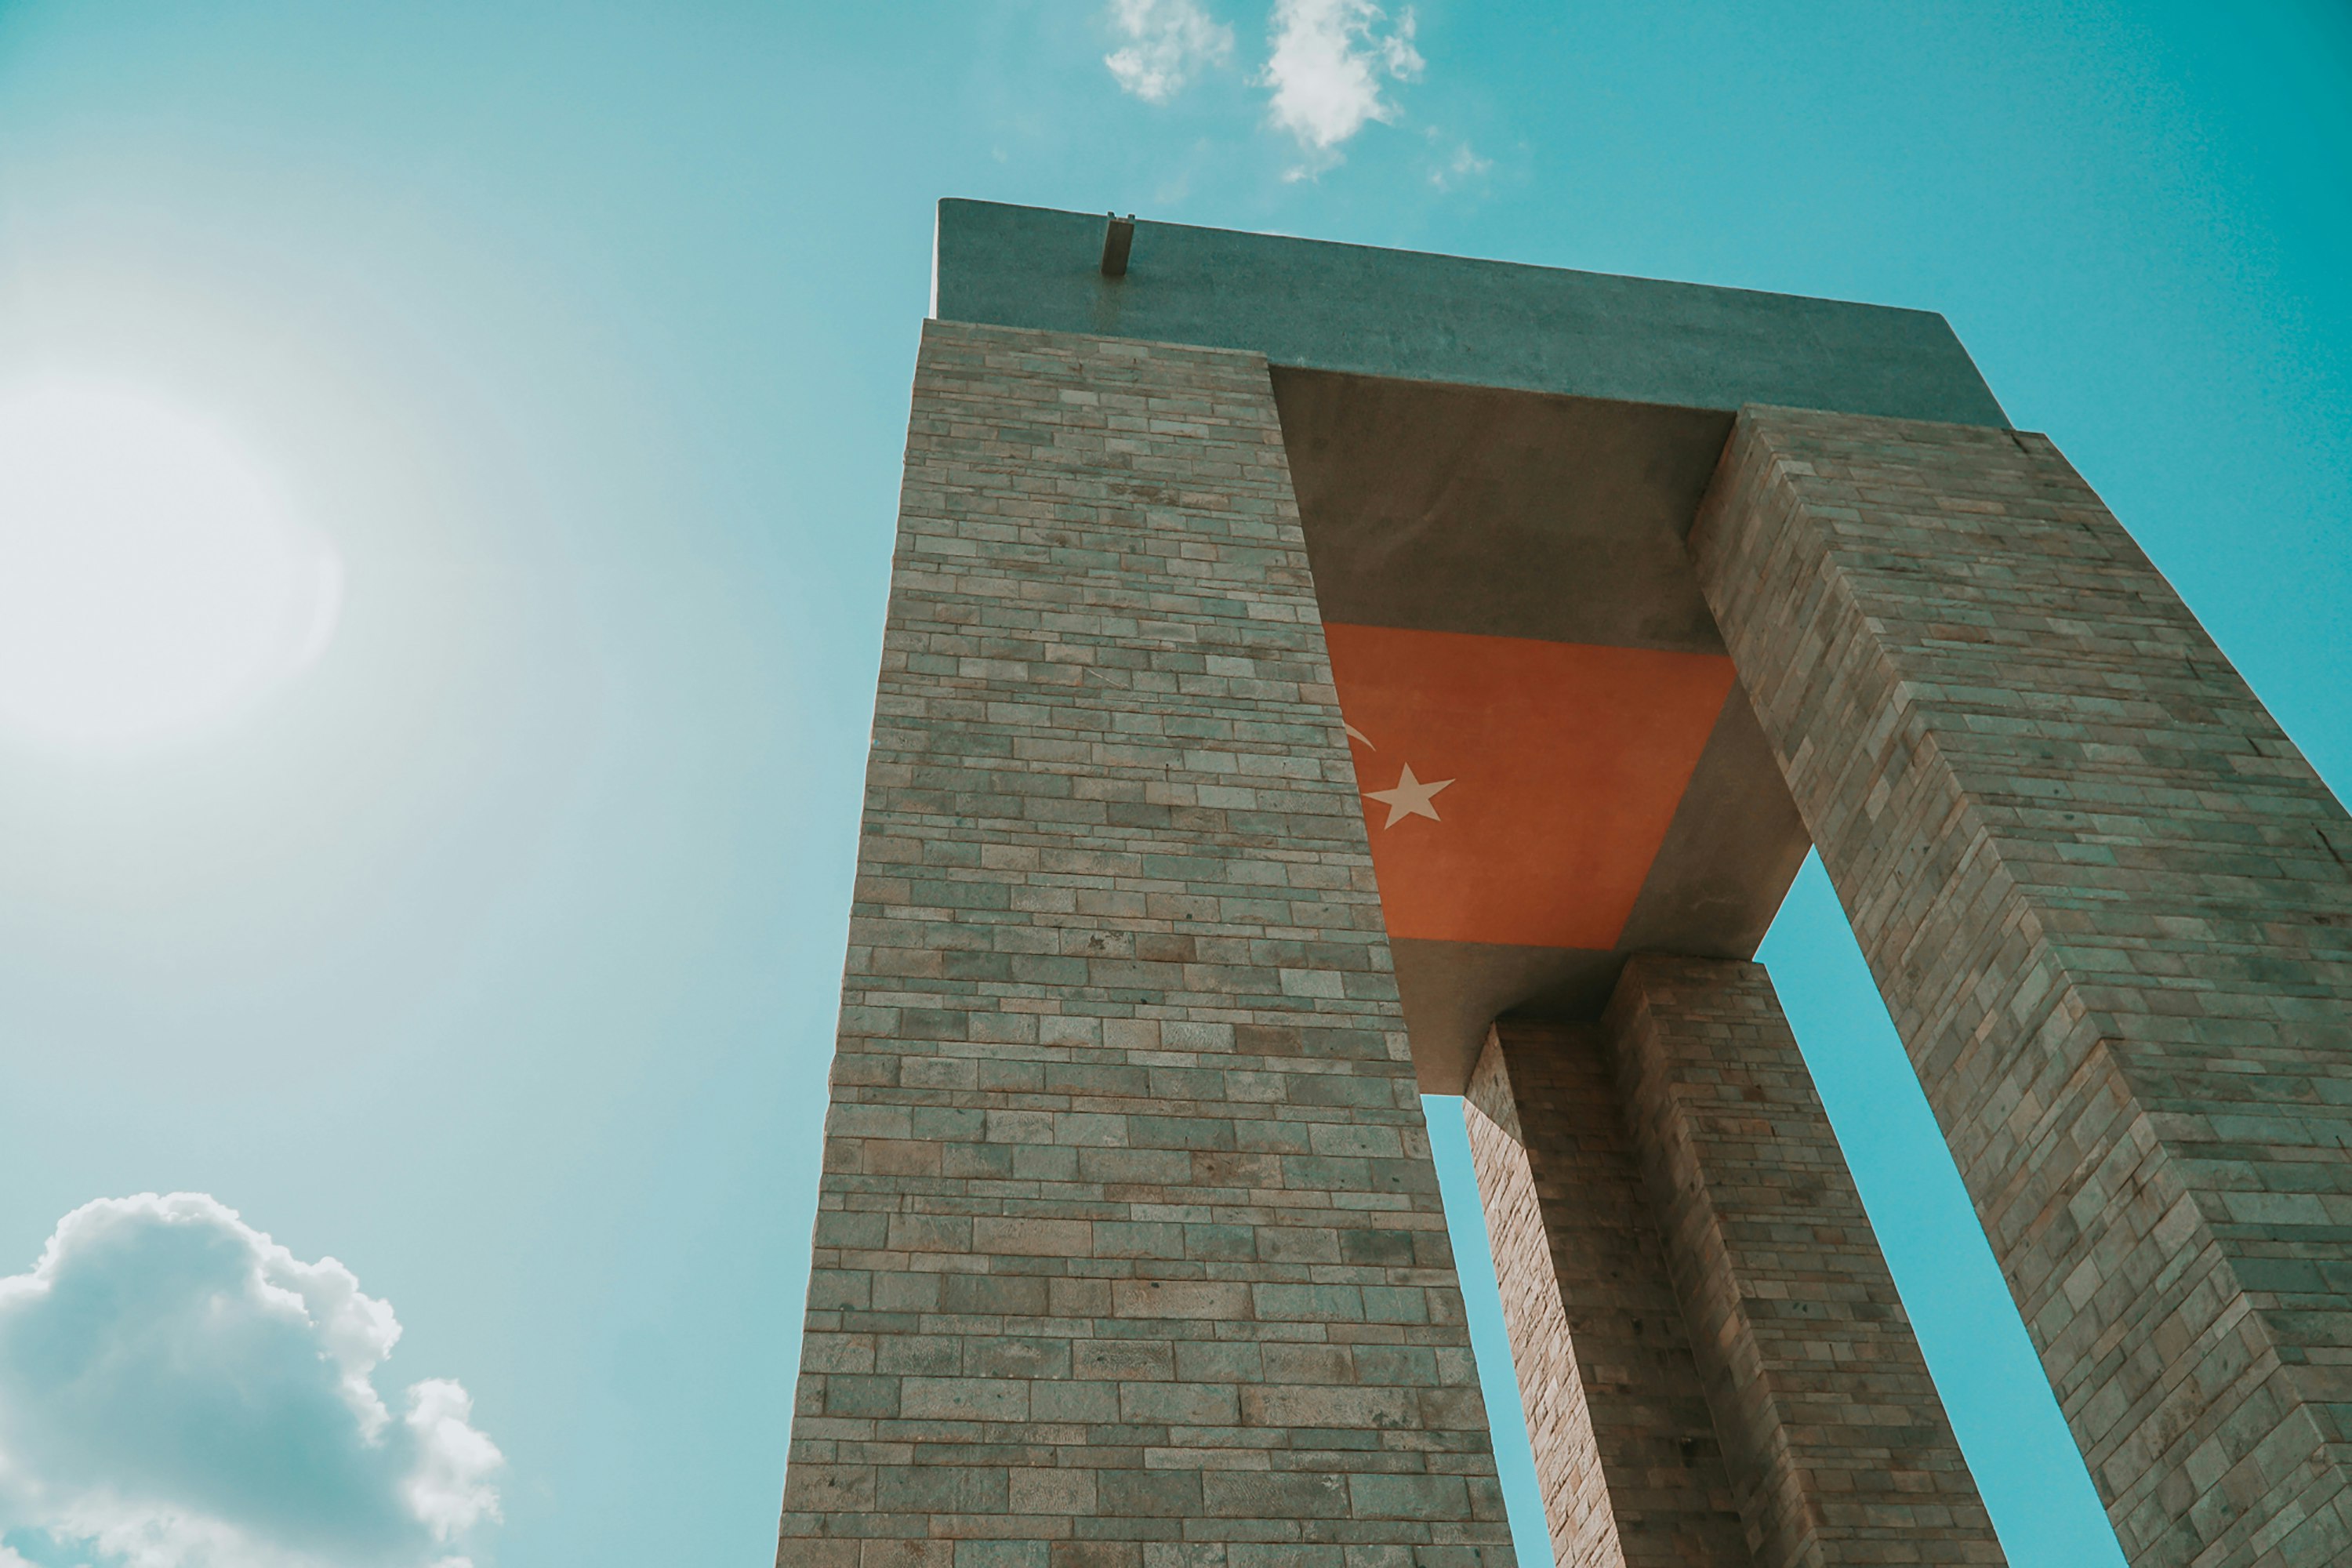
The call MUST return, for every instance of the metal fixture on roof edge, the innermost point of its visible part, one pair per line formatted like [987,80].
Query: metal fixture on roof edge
[1117,237]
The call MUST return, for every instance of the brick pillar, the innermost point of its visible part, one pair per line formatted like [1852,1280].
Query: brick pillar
[1716,1366]
[1625,1450]
[2107,902]
[1837,1444]
[1129,1251]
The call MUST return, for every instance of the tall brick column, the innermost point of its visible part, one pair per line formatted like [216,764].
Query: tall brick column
[1836,1442]
[1716,1365]
[1128,1250]
[1625,1450]
[2108,904]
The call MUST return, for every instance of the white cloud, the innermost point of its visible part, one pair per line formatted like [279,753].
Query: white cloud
[1167,40]
[1466,165]
[179,1391]
[1326,70]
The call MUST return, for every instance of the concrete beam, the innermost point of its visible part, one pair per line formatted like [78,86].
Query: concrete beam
[1314,305]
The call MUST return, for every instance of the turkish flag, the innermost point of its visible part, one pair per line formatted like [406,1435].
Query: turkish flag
[1516,791]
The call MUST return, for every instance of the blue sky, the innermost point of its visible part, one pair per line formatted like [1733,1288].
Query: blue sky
[490,943]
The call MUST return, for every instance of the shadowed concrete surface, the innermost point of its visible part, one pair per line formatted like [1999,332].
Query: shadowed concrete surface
[1444,507]
[1508,513]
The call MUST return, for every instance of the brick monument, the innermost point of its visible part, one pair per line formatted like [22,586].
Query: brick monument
[1315,675]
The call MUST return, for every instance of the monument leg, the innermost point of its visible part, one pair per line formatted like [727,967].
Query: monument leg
[2108,905]
[1838,1446]
[1716,1366]
[1626,1452]
[1129,1249]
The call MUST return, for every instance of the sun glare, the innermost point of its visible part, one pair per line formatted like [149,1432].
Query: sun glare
[153,582]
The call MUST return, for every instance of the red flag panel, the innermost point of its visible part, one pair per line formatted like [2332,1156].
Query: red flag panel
[1516,791]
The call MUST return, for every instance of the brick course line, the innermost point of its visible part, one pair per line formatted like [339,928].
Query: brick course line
[1128,1250]
[2106,900]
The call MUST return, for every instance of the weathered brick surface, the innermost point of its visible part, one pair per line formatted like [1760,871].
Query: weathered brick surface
[1551,1390]
[1128,1250]
[1716,1366]
[1835,1441]
[2107,902]
[1625,1450]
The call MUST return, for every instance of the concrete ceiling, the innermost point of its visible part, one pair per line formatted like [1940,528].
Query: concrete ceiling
[1432,507]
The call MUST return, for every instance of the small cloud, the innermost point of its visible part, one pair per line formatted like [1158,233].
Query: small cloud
[1465,165]
[1329,61]
[1167,40]
[179,1391]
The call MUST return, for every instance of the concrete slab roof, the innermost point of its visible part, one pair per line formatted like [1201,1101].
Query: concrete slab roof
[1314,305]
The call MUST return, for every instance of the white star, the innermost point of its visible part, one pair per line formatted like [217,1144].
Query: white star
[1410,798]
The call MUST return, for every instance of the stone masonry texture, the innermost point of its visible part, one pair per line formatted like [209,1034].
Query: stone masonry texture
[1836,1443]
[1715,1363]
[1129,1251]
[1577,1514]
[2108,904]
[1628,1457]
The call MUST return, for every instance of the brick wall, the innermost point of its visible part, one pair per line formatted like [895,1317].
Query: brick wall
[1128,1250]
[1628,1458]
[1716,1366]
[1583,1528]
[2107,902]
[1836,1442]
